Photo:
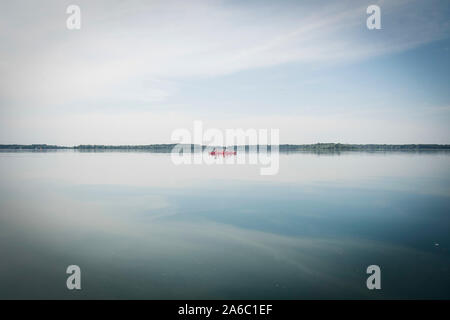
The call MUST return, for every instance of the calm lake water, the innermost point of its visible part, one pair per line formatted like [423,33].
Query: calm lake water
[141,227]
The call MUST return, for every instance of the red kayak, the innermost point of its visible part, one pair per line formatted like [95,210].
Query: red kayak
[222,153]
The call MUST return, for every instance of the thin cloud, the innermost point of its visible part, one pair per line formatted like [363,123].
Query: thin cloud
[133,53]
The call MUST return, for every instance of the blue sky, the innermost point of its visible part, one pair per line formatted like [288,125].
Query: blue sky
[137,70]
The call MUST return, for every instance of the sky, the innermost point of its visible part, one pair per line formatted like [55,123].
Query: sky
[138,70]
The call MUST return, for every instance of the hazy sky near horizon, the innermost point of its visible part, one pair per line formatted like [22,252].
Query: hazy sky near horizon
[138,70]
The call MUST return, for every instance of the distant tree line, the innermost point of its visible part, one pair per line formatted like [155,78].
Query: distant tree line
[164,148]
[31,147]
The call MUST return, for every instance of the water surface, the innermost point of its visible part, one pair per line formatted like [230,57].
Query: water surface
[141,227]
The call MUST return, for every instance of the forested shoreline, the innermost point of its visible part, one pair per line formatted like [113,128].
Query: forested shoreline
[194,148]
